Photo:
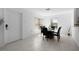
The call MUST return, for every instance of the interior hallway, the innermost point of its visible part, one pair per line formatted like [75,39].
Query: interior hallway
[64,17]
[36,43]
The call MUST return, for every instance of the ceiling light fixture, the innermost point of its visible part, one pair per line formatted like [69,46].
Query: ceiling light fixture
[48,9]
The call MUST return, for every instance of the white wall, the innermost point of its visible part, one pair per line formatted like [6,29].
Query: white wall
[29,23]
[65,20]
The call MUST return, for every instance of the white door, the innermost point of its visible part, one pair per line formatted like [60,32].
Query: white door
[1,28]
[1,35]
[13,31]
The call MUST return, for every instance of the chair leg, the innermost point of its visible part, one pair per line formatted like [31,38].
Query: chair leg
[58,38]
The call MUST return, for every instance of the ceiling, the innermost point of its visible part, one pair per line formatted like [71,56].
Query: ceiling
[44,10]
[50,10]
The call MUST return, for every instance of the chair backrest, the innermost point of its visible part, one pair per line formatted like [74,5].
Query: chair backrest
[46,33]
[44,30]
[58,33]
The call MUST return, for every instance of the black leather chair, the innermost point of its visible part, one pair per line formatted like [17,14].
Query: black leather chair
[47,34]
[57,33]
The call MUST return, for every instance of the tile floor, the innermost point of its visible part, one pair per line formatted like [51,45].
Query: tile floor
[36,43]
